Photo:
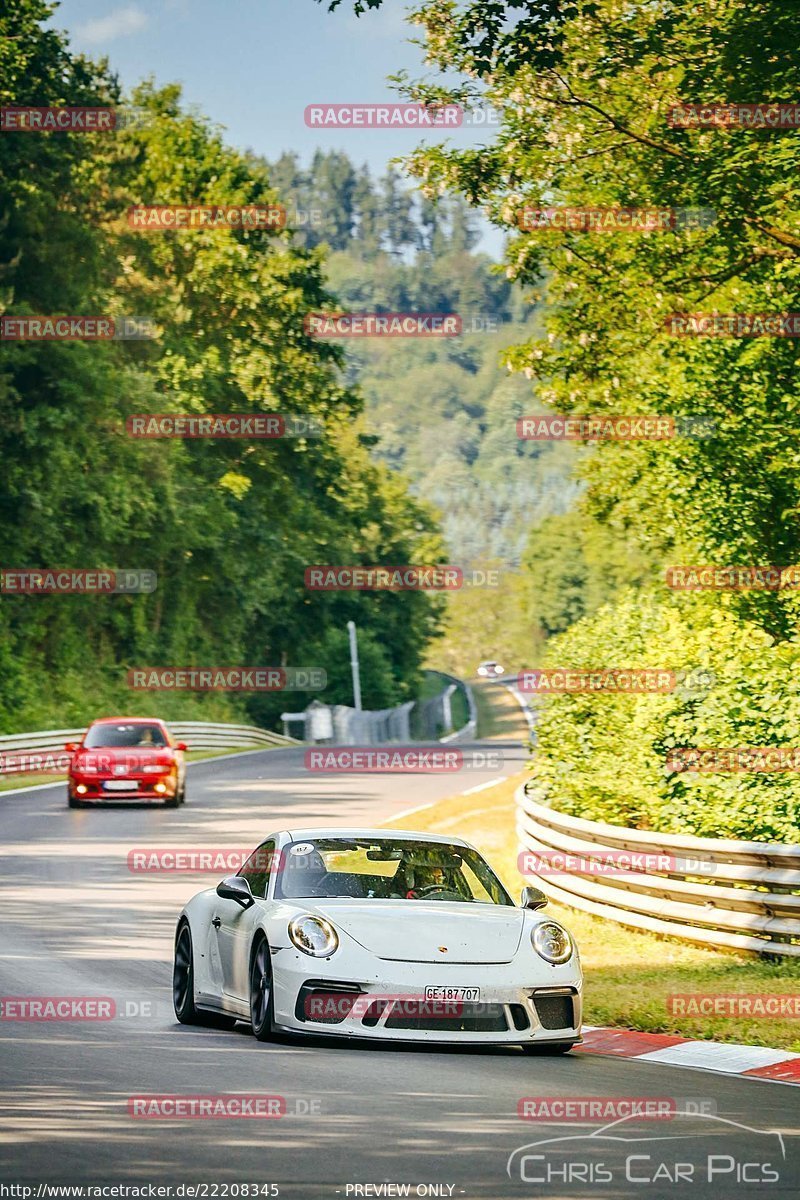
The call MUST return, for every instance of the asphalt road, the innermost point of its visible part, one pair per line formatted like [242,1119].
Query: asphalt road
[78,922]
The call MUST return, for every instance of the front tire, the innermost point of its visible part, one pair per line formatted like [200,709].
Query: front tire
[261,993]
[73,803]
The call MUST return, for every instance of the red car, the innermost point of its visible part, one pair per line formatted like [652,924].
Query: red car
[128,759]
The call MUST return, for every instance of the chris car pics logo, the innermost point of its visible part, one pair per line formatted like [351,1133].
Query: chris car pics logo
[698,1148]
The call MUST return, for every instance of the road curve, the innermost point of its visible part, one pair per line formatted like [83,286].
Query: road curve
[78,922]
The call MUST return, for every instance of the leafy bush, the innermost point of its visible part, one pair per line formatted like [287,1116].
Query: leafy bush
[604,756]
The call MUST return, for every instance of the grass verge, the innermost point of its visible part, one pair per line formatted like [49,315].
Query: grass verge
[629,974]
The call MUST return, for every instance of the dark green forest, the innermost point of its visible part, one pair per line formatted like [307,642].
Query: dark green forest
[228,526]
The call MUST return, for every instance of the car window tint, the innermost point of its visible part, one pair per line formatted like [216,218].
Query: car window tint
[258,868]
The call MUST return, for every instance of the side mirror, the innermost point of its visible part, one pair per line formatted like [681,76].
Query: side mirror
[72,747]
[181,746]
[532,898]
[236,888]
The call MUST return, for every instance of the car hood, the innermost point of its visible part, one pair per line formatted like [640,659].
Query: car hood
[429,931]
[131,757]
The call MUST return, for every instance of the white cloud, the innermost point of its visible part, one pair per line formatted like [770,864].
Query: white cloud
[121,23]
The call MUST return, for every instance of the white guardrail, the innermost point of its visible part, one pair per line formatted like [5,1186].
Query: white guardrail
[726,894]
[20,753]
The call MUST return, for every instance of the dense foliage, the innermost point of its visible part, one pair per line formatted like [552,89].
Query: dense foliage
[586,90]
[228,526]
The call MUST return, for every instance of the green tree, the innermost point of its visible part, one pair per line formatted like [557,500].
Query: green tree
[229,526]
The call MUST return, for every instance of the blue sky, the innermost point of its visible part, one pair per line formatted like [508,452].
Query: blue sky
[254,65]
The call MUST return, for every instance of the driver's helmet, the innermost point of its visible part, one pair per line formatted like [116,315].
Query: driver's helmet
[434,867]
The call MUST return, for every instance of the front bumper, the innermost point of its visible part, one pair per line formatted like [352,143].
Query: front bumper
[97,794]
[521,1002]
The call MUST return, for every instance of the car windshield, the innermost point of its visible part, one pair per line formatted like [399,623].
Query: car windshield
[125,734]
[387,869]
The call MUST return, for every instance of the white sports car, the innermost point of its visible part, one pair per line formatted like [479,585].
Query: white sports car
[379,934]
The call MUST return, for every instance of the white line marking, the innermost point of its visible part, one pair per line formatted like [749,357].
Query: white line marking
[409,812]
[480,787]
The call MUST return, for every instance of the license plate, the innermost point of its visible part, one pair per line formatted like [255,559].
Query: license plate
[121,785]
[452,993]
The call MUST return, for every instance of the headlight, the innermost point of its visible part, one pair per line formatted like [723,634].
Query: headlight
[313,936]
[154,769]
[551,942]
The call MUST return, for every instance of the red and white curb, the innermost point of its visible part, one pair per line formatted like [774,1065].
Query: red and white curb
[754,1062]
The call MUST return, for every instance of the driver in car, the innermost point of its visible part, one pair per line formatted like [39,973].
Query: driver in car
[422,874]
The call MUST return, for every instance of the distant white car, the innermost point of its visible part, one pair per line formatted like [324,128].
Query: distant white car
[490,670]
[378,934]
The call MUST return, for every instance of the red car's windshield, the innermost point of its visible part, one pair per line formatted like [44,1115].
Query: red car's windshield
[125,734]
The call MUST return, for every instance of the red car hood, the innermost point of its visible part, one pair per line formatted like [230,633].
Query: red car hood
[130,758]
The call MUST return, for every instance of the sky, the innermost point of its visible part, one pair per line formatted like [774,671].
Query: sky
[253,65]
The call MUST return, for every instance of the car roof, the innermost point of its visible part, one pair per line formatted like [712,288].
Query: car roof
[394,834]
[128,721]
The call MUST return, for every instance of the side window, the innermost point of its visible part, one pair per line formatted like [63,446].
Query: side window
[258,867]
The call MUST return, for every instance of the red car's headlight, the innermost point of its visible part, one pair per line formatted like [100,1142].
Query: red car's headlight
[156,768]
